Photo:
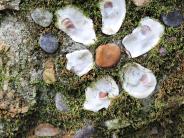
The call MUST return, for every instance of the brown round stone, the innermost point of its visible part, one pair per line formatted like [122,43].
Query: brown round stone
[107,55]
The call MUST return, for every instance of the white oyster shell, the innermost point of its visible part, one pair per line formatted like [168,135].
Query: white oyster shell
[80,28]
[93,100]
[113,14]
[80,62]
[138,81]
[144,37]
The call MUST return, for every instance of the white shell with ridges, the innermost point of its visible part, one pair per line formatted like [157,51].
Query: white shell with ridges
[145,37]
[137,81]
[80,28]
[93,100]
[80,62]
[113,14]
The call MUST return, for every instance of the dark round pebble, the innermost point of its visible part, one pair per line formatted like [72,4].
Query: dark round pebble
[173,19]
[49,43]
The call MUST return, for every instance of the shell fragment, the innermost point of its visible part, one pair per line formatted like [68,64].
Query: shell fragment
[99,93]
[113,14]
[80,28]
[138,81]
[80,62]
[145,37]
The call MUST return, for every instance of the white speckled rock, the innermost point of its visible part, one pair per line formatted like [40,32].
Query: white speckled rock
[137,81]
[113,14]
[99,94]
[18,62]
[145,37]
[80,62]
[80,28]
[42,17]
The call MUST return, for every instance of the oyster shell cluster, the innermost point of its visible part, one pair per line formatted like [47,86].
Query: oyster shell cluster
[136,80]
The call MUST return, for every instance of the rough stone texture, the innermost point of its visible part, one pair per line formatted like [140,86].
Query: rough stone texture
[9,4]
[42,17]
[107,55]
[1,128]
[69,46]
[16,68]
[141,2]
[46,129]
[11,102]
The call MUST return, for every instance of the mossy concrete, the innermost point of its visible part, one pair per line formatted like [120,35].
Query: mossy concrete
[163,110]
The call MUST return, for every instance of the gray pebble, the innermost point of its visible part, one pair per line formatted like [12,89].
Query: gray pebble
[42,17]
[49,43]
[60,103]
[85,132]
[173,19]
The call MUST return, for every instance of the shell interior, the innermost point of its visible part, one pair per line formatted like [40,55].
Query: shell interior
[138,81]
[80,28]
[80,62]
[113,14]
[93,101]
[144,37]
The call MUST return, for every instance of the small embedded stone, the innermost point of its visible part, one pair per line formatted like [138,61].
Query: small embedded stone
[24,109]
[42,17]
[173,19]
[49,43]
[141,2]
[85,132]
[49,75]
[46,130]
[1,95]
[3,47]
[60,103]
[107,55]
[162,51]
